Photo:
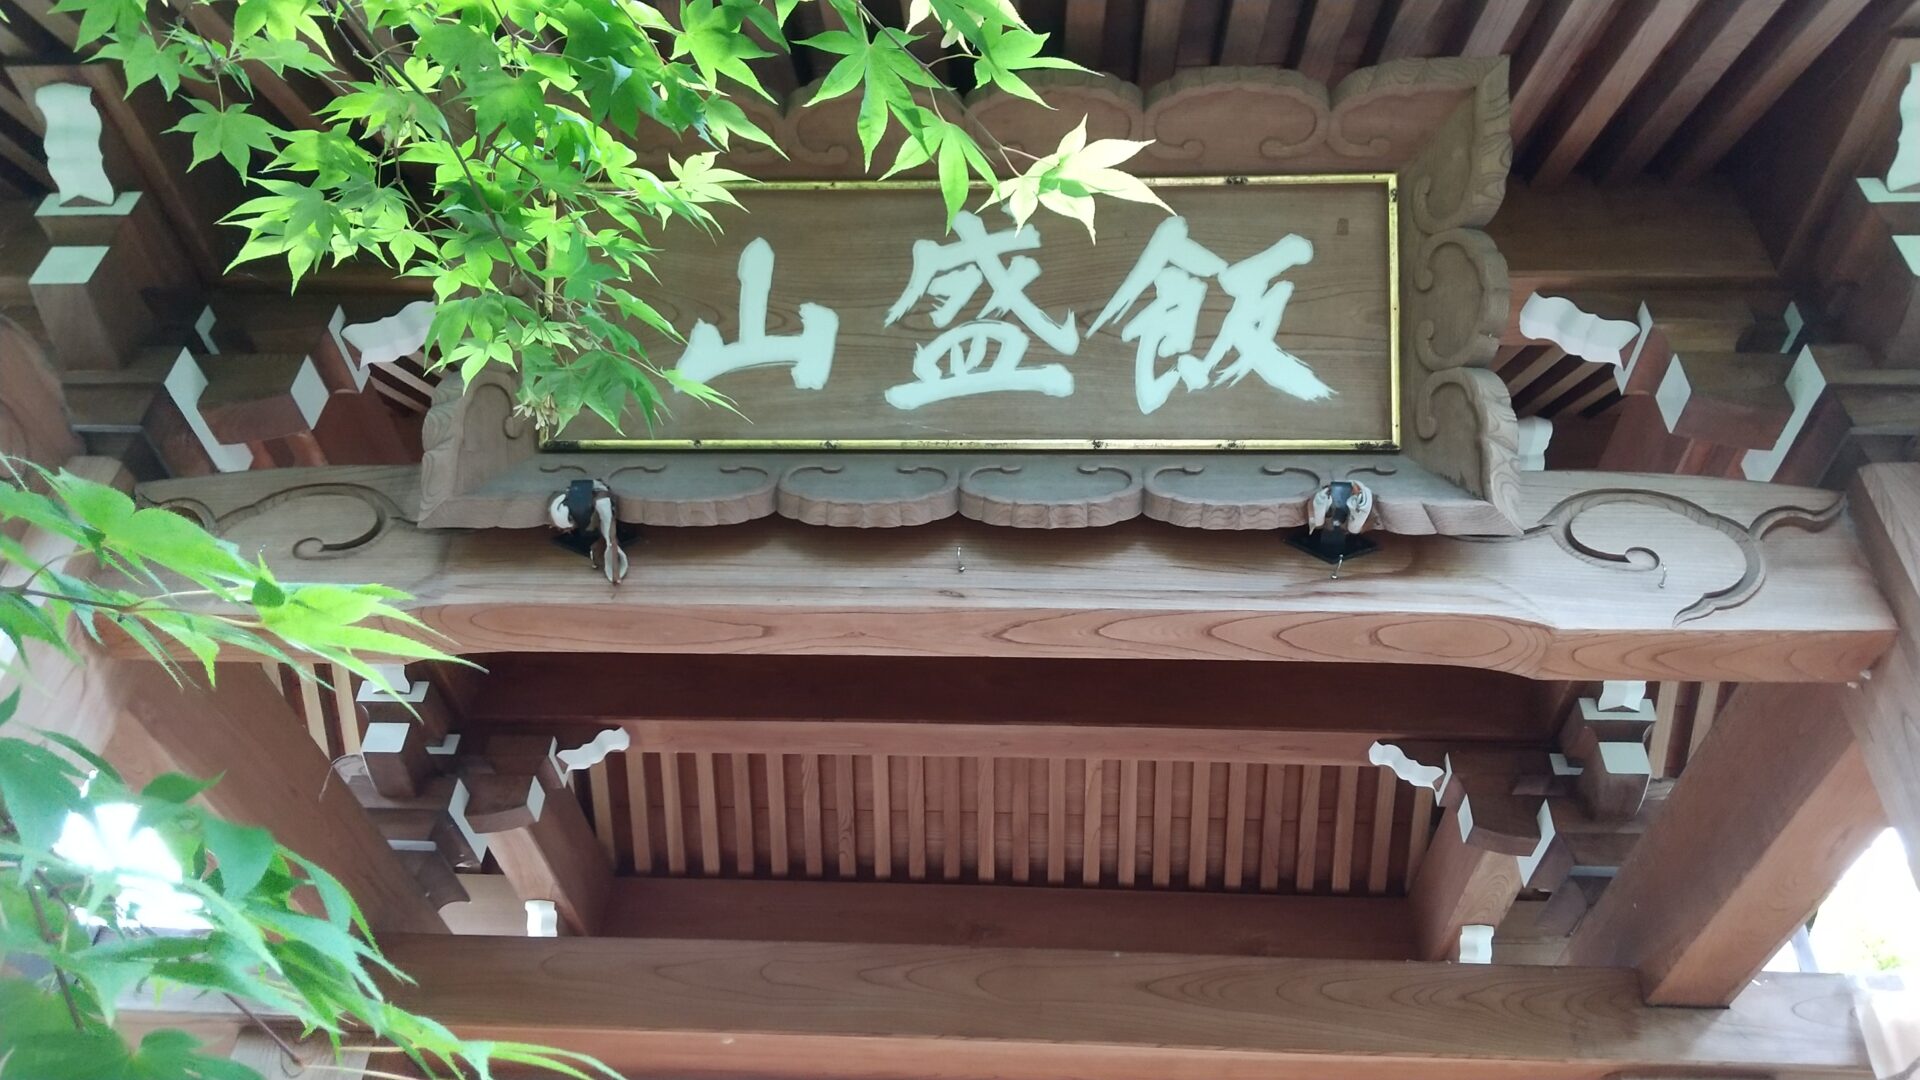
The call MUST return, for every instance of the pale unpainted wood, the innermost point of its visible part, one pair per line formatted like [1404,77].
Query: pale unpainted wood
[1127,858]
[1706,710]
[1881,711]
[950,825]
[306,681]
[673,813]
[883,816]
[1530,607]
[1056,821]
[1380,857]
[1306,870]
[1346,810]
[1091,822]
[1419,835]
[708,810]
[812,1010]
[779,851]
[600,790]
[341,682]
[986,863]
[1660,742]
[1272,825]
[1198,820]
[844,811]
[1020,777]
[741,767]
[639,810]
[916,817]
[1162,824]
[1236,827]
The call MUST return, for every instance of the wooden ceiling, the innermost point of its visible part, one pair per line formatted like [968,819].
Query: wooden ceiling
[1613,89]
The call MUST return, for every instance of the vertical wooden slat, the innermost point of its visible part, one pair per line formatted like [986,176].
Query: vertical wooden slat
[1127,835]
[1090,823]
[743,858]
[1637,39]
[1422,830]
[673,813]
[1056,821]
[1660,744]
[1346,810]
[882,818]
[950,827]
[1162,824]
[811,848]
[600,790]
[709,814]
[1230,864]
[1085,31]
[1159,41]
[984,814]
[1560,36]
[1198,822]
[1246,21]
[1307,860]
[1711,43]
[1326,25]
[1494,23]
[347,708]
[916,818]
[1022,794]
[1706,705]
[1273,794]
[779,853]
[843,807]
[639,813]
[1413,30]
[1382,830]
[306,677]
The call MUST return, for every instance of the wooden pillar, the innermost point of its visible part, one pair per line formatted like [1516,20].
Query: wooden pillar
[1772,811]
[1883,708]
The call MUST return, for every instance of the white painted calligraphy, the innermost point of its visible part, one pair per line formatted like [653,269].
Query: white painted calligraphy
[953,274]
[808,353]
[1176,267]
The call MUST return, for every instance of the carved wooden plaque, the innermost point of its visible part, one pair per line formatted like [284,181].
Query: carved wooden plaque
[1260,314]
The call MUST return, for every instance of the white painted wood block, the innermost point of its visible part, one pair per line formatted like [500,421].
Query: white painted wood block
[1624,373]
[1805,382]
[1905,170]
[72,143]
[542,919]
[385,340]
[457,809]
[1530,863]
[1580,333]
[1796,325]
[1889,1014]
[589,754]
[1625,759]
[68,264]
[1674,392]
[1392,757]
[1476,944]
[185,383]
[1622,694]
[385,737]
[1535,433]
[1642,710]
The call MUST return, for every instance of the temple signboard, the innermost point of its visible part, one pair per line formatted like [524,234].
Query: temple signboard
[1259,314]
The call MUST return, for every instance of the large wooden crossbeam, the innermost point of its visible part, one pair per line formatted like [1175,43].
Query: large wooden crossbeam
[802,1010]
[1620,576]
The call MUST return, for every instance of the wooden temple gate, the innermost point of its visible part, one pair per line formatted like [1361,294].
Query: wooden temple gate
[996,755]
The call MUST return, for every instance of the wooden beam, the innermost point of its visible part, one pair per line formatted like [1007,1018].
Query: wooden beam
[1765,819]
[1783,51]
[1804,608]
[1104,920]
[1459,885]
[1675,87]
[1414,29]
[1326,26]
[542,841]
[651,1008]
[1884,709]
[1493,27]
[1560,36]
[1637,37]
[1150,698]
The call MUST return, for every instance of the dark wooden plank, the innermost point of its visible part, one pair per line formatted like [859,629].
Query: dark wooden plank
[1634,42]
[1560,35]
